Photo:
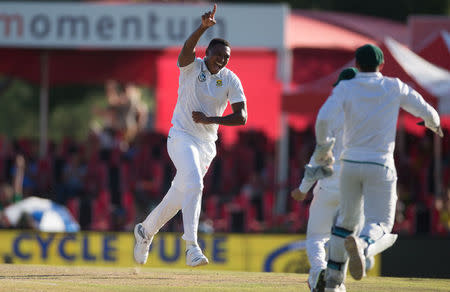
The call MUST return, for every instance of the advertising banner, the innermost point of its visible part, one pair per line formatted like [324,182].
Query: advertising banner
[149,25]
[281,253]
[237,252]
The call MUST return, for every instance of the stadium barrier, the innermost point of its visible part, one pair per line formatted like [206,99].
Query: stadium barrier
[238,252]
[420,257]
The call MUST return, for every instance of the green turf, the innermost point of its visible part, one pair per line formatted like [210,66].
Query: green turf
[65,278]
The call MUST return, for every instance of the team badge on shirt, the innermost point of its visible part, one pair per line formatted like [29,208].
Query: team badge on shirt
[202,76]
[219,83]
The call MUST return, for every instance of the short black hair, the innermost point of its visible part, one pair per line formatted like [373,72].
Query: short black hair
[367,68]
[218,41]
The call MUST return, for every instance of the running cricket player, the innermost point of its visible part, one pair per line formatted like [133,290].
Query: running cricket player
[368,177]
[324,206]
[205,88]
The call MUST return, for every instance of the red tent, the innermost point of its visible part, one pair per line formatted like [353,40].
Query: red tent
[371,27]
[423,28]
[313,56]
[306,100]
[437,50]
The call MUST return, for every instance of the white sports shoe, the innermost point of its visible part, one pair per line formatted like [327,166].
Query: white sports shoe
[195,257]
[357,260]
[142,244]
[340,288]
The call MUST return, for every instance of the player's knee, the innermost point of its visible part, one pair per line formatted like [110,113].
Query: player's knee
[194,183]
[191,183]
[194,187]
[350,221]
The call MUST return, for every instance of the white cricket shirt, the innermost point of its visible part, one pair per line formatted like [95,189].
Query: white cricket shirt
[199,90]
[371,104]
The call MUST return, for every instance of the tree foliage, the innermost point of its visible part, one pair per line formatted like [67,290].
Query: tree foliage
[70,109]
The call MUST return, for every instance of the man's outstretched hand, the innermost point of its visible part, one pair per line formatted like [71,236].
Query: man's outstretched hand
[435,129]
[208,18]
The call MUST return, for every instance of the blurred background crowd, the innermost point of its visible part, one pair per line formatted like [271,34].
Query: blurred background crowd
[121,170]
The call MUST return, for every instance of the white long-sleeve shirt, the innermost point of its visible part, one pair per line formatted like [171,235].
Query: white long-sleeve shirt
[371,104]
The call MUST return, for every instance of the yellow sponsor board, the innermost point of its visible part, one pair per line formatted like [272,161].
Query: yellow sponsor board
[239,252]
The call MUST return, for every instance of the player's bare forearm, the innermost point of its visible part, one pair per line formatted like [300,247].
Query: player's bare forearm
[234,119]
[237,118]
[187,54]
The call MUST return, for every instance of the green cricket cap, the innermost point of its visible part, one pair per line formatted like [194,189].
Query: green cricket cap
[346,74]
[370,55]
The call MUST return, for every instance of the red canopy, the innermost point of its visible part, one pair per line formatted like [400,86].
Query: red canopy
[437,50]
[318,46]
[307,99]
[368,26]
[423,28]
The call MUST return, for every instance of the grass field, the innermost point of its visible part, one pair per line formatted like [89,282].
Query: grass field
[64,278]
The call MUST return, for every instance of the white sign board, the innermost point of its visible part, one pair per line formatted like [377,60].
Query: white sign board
[128,26]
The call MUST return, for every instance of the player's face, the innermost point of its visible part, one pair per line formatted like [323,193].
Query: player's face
[217,57]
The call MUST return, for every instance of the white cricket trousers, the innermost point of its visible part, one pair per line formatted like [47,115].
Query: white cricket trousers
[322,214]
[191,158]
[373,184]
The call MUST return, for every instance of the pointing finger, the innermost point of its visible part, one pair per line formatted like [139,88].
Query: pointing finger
[214,11]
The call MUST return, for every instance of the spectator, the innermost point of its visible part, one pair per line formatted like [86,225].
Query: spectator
[135,112]
[73,176]
[12,194]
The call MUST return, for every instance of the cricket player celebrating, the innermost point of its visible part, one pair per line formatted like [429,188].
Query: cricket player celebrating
[205,88]
[324,206]
[370,103]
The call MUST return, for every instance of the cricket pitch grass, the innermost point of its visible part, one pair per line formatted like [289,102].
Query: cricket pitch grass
[68,278]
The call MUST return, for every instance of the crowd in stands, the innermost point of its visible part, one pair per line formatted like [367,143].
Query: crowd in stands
[115,177]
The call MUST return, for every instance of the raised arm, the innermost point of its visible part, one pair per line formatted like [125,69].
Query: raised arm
[187,54]
[19,175]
